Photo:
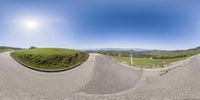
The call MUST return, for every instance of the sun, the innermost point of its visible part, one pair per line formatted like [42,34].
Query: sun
[31,24]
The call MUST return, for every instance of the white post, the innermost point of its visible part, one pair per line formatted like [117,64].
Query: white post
[131,59]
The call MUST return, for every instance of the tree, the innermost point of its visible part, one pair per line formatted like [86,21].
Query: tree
[32,47]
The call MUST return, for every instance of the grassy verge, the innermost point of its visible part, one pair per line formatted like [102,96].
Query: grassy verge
[147,62]
[50,58]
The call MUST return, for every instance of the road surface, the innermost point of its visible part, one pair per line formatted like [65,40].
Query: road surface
[100,78]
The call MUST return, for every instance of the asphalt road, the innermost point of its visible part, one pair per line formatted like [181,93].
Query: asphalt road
[100,78]
[110,77]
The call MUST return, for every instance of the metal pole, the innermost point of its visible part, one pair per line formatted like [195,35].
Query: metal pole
[131,59]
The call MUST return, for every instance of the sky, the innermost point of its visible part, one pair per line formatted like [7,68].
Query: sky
[93,24]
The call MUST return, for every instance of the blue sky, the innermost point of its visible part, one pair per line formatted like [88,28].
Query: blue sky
[148,24]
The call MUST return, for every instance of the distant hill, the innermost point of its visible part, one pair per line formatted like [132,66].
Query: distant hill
[13,48]
[117,49]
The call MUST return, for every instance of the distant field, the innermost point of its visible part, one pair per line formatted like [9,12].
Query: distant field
[156,54]
[150,58]
[50,58]
[4,50]
[146,62]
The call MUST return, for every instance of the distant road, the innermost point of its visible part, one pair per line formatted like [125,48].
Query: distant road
[99,78]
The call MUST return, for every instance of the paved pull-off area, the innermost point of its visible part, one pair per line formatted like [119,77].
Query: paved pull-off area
[110,77]
[100,78]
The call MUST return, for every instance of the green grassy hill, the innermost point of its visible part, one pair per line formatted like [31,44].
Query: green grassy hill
[50,58]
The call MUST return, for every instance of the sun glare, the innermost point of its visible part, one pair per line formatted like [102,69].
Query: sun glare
[31,24]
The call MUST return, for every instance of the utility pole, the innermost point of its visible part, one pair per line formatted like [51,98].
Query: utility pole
[131,59]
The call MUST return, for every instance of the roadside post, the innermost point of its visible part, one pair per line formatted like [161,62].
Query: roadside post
[131,59]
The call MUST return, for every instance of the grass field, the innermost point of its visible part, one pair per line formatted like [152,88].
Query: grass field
[50,58]
[4,50]
[146,62]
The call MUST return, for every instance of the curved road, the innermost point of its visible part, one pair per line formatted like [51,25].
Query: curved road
[100,78]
